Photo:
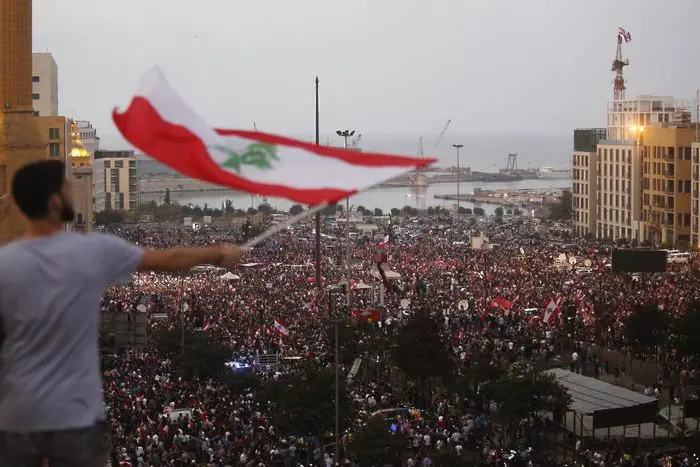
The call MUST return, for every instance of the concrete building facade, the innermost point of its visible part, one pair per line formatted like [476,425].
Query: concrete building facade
[667,185]
[695,196]
[87,135]
[20,140]
[585,180]
[82,198]
[119,173]
[642,111]
[618,201]
[44,85]
[56,132]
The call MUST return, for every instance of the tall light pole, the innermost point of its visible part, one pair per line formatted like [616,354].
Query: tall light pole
[347,134]
[318,213]
[458,147]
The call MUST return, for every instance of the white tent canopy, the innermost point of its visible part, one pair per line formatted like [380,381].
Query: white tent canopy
[229,276]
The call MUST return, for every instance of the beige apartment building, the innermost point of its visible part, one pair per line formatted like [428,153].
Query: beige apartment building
[116,180]
[44,85]
[667,173]
[618,190]
[695,196]
[585,180]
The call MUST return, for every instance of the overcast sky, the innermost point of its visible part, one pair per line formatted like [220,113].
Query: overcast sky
[386,66]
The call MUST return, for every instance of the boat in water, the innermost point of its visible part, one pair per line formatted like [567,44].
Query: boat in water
[548,172]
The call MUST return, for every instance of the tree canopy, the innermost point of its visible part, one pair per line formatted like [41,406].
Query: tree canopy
[303,403]
[563,209]
[646,327]
[204,355]
[519,397]
[375,444]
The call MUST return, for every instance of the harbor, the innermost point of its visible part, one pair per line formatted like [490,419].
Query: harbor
[506,197]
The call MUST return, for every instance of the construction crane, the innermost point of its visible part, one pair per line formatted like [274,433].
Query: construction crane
[442,133]
[619,64]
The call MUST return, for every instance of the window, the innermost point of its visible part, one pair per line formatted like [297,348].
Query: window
[119,164]
[54,150]
[36,113]
[35,79]
[35,96]
[54,133]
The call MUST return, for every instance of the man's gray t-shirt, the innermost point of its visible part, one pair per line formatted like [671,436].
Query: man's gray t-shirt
[50,293]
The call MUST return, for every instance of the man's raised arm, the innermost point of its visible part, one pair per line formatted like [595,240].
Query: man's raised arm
[181,258]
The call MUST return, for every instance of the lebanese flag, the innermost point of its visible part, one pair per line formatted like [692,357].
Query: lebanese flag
[281,328]
[551,310]
[159,123]
[366,316]
[500,302]
[385,242]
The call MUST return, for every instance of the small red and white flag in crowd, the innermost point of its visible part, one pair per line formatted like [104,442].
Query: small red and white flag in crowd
[162,125]
[281,328]
[385,242]
[551,310]
[500,302]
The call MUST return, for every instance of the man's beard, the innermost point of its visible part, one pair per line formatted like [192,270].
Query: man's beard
[67,212]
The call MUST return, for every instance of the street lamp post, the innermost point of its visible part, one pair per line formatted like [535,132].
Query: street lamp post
[336,322]
[345,134]
[458,147]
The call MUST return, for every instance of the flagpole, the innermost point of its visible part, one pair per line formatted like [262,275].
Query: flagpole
[318,213]
[283,225]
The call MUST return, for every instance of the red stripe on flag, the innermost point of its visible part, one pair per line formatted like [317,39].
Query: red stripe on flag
[161,140]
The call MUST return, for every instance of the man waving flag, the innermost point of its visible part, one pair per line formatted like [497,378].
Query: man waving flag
[162,125]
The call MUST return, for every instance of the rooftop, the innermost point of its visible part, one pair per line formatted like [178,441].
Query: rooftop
[591,395]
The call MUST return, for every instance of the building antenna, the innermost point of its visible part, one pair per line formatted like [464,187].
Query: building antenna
[619,64]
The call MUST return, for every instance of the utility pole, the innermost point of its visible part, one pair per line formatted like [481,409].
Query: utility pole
[336,351]
[458,147]
[347,134]
[318,214]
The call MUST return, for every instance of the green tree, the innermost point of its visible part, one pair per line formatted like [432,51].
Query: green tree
[421,353]
[519,397]
[303,403]
[204,354]
[378,212]
[563,209]
[361,209]
[498,212]
[395,211]
[166,198]
[646,327]
[375,444]
[479,211]
[331,210]
[109,216]
[686,330]
[265,209]
[517,212]
[296,209]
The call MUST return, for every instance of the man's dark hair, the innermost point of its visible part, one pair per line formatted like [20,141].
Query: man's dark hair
[34,184]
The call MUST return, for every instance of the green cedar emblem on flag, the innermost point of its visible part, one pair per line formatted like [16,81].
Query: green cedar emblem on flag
[259,155]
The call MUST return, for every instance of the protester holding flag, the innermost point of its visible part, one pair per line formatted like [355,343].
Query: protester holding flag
[51,284]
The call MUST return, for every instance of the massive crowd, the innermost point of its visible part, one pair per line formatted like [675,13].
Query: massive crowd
[489,301]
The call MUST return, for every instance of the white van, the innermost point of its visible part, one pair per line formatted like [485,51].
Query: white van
[678,258]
